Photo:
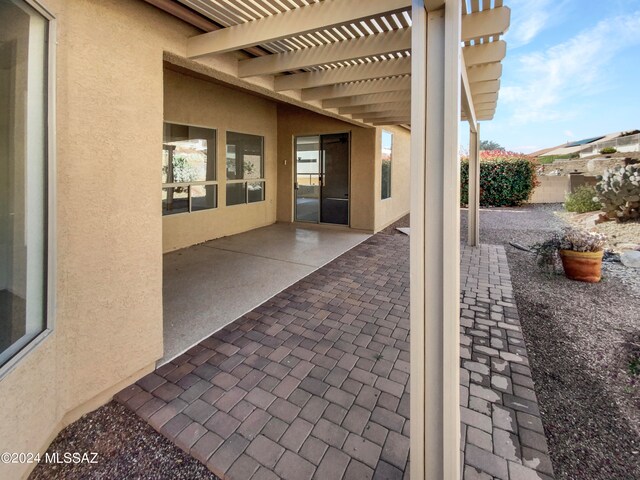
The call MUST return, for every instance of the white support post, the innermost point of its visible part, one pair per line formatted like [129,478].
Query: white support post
[473,235]
[435,242]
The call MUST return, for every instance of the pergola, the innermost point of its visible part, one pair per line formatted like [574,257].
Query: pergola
[421,64]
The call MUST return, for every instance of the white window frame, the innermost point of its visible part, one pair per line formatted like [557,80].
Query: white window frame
[50,289]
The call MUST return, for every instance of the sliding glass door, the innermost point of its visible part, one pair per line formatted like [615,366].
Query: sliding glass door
[322,179]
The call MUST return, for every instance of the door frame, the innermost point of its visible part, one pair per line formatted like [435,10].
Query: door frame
[321,172]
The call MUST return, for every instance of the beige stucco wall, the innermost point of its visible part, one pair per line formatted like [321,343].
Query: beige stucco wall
[192,101]
[293,122]
[397,206]
[552,189]
[108,323]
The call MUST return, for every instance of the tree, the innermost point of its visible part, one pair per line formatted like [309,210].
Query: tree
[490,145]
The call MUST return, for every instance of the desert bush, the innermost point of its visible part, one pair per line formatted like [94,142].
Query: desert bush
[618,191]
[584,199]
[507,179]
[608,150]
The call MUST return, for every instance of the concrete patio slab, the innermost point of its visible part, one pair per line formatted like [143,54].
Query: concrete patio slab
[314,383]
[210,285]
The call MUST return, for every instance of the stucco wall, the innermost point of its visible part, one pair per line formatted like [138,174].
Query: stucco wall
[552,189]
[293,122]
[192,101]
[108,325]
[391,209]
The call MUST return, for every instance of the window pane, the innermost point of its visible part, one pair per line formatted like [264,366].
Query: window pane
[244,156]
[387,147]
[23,163]
[204,197]
[236,193]
[256,191]
[188,154]
[175,200]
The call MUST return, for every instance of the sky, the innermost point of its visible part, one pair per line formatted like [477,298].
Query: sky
[572,71]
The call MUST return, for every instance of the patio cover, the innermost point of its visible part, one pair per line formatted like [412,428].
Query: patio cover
[351,57]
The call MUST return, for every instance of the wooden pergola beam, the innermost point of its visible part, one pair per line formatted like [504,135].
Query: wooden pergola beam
[374,107]
[371,45]
[381,43]
[367,99]
[395,113]
[466,100]
[482,73]
[486,23]
[484,53]
[294,22]
[367,71]
[391,121]
[491,86]
[358,88]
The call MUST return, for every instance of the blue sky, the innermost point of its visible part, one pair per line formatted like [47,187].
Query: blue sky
[572,71]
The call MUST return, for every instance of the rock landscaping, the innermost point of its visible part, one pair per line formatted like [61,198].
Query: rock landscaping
[127,448]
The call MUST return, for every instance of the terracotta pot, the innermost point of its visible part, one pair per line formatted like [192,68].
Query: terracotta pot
[582,266]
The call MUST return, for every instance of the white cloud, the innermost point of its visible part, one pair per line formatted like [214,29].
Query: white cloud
[569,134]
[568,70]
[529,18]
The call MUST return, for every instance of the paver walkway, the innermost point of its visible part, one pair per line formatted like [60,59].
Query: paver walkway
[315,382]
[502,435]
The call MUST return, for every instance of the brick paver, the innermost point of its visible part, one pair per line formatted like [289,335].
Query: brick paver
[502,434]
[314,382]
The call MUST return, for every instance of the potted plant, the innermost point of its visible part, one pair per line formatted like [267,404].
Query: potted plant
[580,252]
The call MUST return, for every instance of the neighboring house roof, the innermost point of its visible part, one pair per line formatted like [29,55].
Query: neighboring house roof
[575,147]
[540,153]
[579,143]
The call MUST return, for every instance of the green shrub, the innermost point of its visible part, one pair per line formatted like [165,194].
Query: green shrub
[546,159]
[608,150]
[386,179]
[582,200]
[504,182]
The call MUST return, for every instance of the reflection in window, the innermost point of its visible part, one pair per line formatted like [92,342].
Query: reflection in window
[387,147]
[23,166]
[188,169]
[245,161]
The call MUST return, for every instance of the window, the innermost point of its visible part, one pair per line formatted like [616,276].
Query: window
[24,46]
[387,148]
[245,168]
[188,169]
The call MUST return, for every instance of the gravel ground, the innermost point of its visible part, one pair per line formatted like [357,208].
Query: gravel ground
[127,448]
[577,337]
